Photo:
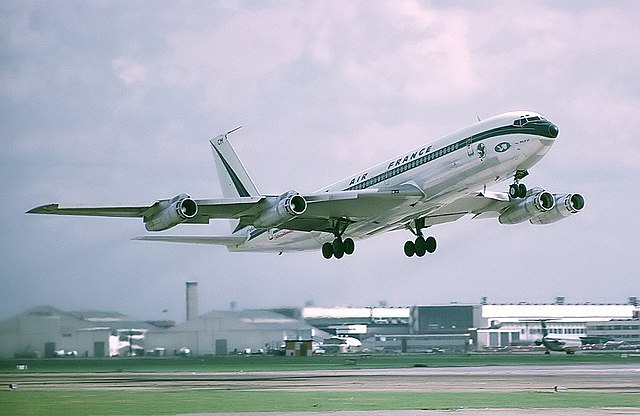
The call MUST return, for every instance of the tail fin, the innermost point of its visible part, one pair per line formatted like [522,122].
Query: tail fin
[545,332]
[233,177]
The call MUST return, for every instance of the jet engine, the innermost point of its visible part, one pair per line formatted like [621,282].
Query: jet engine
[286,207]
[171,213]
[536,203]
[566,205]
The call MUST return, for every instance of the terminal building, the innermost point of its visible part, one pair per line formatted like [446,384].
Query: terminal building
[521,324]
[458,327]
[404,329]
[615,330]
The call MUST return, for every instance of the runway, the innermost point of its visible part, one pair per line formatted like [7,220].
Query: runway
[618,378]
[584,378]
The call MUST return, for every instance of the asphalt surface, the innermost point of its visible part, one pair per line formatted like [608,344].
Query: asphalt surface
[622,378]
[584,378]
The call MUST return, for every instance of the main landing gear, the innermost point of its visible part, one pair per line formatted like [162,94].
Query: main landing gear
[517,189]
[420,246]
[339,247]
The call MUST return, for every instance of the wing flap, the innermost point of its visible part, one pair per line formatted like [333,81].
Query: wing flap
[228,240]
[361,205]
[480,204]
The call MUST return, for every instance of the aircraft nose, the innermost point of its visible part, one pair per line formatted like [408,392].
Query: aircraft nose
[553,130]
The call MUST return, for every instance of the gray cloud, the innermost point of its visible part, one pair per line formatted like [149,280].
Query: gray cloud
[114,102]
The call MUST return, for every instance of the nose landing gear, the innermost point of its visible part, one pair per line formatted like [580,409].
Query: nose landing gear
[517,189]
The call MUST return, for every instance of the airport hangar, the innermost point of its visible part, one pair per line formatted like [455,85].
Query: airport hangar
[46,331]
[49,332]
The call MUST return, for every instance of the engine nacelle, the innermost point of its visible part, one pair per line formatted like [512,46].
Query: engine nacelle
[566,205]
[288,206]
[536,203]
[171,213]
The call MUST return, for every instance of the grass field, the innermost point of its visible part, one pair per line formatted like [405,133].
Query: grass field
[154,402]
[268,363]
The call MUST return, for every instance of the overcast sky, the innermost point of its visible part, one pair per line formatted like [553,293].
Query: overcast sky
[114,102]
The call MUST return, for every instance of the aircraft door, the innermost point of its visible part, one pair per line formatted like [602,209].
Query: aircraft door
[469,147]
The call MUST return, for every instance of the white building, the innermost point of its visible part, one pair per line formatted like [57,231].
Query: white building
[45,331]
[222,332]
[521,324]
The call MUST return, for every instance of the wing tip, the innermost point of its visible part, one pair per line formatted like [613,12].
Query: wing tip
[43,209]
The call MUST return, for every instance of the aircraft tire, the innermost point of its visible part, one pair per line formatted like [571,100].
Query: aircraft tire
[349,246]
[522,190]
[338,248]
[421,246]
[327,250]
[409,248]
[513,191]
[430,244]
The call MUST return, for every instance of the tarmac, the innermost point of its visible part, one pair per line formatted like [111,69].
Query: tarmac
[608,378]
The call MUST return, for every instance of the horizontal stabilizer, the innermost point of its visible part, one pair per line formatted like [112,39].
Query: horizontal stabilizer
[226,240]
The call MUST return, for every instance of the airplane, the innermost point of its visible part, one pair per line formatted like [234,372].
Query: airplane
[433,184]
[552,343]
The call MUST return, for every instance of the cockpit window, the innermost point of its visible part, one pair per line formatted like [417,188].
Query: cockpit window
[524,120]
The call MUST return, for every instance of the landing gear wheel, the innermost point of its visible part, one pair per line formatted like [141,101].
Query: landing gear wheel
[421,246]
[522,190]
[338,248]
[430,244]
[409,248]
[327,250]
[349,246]
[514,191]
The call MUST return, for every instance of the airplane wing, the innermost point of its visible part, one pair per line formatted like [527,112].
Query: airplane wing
[128,211]
[320,214]
[324,209]
[207,209]
[485,204]
[482,204]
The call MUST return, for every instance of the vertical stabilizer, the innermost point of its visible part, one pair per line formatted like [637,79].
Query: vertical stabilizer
[233,177]
[545,332]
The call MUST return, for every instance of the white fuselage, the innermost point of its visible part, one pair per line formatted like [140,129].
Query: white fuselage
[464,162]
[561,344]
